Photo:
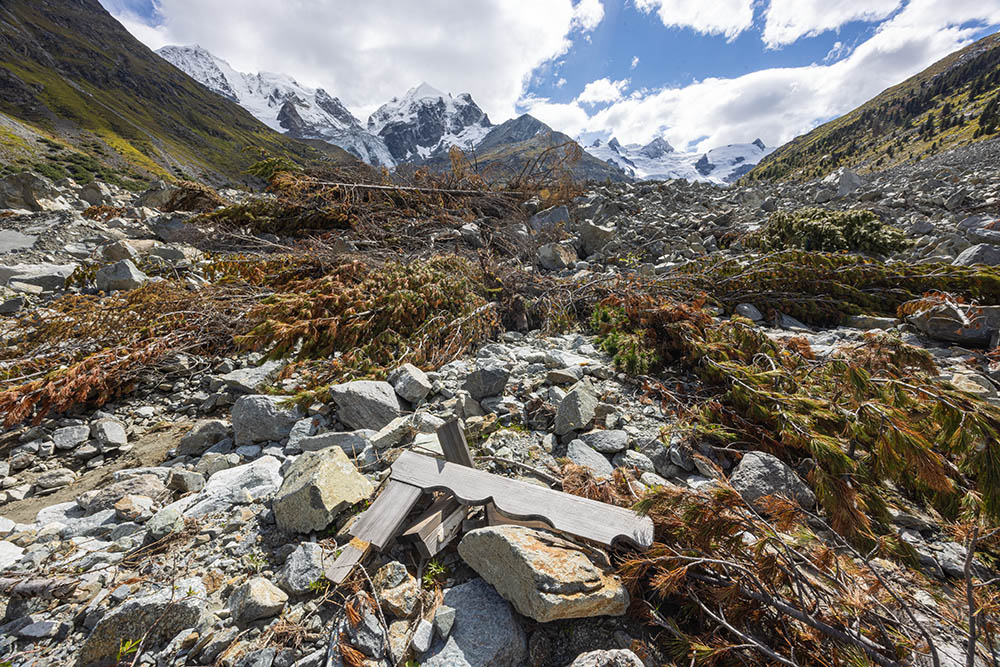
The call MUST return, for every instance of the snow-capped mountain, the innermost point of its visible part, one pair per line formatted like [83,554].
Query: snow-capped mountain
[425,123]
[281,103]
[657,160]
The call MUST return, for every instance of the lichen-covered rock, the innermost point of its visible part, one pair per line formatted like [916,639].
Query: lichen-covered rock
[542,575]
[317,487]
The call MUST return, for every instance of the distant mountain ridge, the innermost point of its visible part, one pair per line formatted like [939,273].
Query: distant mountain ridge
[658,160]
[81,96]
[281,103]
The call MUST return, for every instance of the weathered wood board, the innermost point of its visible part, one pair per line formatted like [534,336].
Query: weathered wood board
[383,518]
[581,517]
[436,527]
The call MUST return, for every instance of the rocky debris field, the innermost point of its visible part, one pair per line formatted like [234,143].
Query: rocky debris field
[193,520]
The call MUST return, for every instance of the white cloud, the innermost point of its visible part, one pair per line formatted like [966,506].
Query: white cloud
[602,90]
[368,52]
[718,17]
[588,14]
[560,83]
[836,52]
[635,62]
[779,104]
[786,21]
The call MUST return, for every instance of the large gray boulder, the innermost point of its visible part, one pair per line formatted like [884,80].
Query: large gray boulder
[577,409]
[45,277]
[120,276]
[761,474]
[550,218]
[202,435]
[317,487]
[982,253]
[486,631]
[28,190]
[366,403]
[260,418]
[156,618]
[544,576]
[256,481]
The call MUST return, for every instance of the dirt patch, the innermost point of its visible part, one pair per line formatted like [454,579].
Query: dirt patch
[150,450]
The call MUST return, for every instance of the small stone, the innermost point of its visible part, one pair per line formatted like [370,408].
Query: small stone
[444,620]
[633,459]
[365,403]
[55,479]
[410,383]
[580,454]
[613,658]
[256,599]
[250,379]
[352,442]
[397,588]
[109,432]
[486,380]
[69,437]
[185,481]
[134,508]
[302,569]
[165,522]
[259,418]
[422,637]
[749,311]
[606,441]
[203,435]
[123,275]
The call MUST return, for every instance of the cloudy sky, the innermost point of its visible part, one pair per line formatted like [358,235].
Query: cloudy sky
[701,73]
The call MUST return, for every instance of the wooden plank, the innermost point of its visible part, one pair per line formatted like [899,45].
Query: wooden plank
[436,527]
[580,517]
[453,444]
[381,521]
[350,555]
[496,518]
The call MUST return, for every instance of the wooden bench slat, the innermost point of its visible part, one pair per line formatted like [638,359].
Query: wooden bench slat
[383,518]
[581,517]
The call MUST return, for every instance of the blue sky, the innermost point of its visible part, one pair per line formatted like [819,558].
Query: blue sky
[700,73]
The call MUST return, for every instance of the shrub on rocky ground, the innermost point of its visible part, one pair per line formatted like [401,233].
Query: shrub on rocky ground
[828,231]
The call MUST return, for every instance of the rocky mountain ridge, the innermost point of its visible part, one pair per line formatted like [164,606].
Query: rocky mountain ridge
[658,161]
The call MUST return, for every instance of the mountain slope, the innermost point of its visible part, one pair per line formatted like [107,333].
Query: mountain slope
[72,76]
[953,102]
[281,103]
[425,123]
[525,142]
[657,160]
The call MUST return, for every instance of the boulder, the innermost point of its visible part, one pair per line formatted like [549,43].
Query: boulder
[486,380]
[557,256]
[252,482]
[69,437]
[486,631]
[9,554]
[202,435]
[366,403]
[761,474]
[157,618]
[982,253]
[260,418]
[579,453]
[594,237]
[28,190]
[302,569]
[550,218]
[317,487]
[109,432]
[410,383]
[96,193]
[615,658]
[256,599]
[544,576]
[577,409]
[120,276]
[248,380]
[46,277]
[606,441]
[138,485]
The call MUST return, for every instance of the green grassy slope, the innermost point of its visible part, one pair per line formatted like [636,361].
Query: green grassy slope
[953,102]
[104,104]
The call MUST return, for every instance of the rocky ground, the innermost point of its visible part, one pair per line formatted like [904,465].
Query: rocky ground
[196,518]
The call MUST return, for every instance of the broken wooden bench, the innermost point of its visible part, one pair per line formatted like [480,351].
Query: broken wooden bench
[463,486]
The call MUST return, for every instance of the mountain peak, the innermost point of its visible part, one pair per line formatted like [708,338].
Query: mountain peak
[425,90]
[759,144]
